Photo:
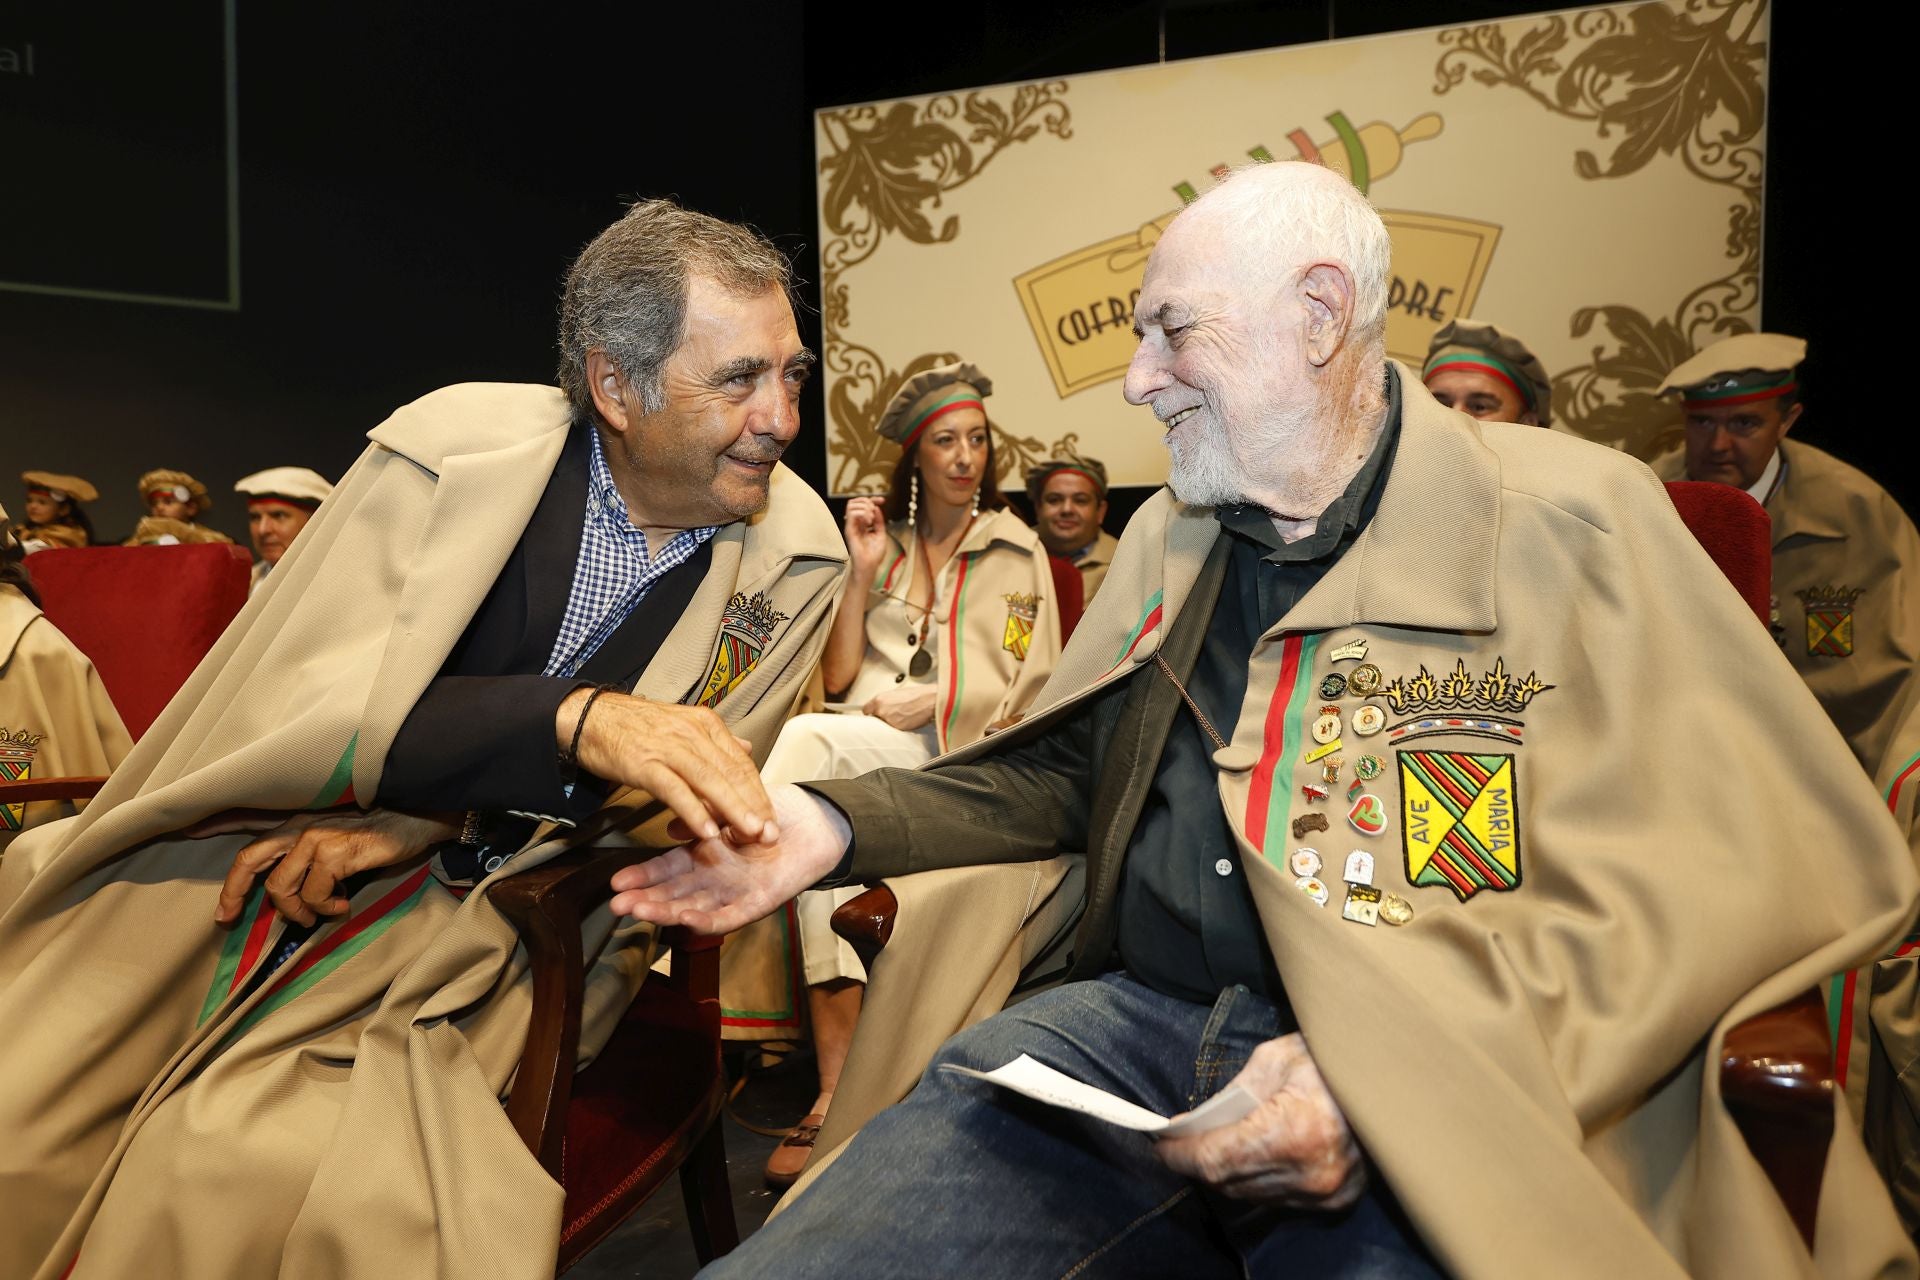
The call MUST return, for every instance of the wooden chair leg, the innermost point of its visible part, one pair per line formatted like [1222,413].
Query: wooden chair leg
[709,1198]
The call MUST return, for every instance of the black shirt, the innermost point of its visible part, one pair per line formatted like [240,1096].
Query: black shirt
[1187,921]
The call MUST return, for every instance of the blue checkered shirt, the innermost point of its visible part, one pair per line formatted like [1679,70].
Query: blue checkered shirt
[614,571]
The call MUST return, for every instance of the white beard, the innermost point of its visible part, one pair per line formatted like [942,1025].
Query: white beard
[1202,471]
[1212,468]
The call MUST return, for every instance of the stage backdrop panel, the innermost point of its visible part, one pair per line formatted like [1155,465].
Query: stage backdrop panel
[1588,179]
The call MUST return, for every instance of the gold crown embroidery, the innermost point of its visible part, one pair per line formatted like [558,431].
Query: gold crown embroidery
[1459,691]
[754,618]
[1024,606]
[1830,597]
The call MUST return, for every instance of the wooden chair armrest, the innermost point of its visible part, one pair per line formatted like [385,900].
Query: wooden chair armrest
[546,906]
[29,790]
[866,922]
[1776,1074]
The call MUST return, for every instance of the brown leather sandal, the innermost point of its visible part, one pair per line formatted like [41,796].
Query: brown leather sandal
[790,1157]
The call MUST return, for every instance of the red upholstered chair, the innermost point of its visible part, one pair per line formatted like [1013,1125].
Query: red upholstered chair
[1736,531]
[1776,1070]
[1777,1067]
[144,615]
[650,1103]
[1069,593]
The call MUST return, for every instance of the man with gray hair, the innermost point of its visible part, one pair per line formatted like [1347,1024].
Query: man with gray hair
[528,620]
[1373,745]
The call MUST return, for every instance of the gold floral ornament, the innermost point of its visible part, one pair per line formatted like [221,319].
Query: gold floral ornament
[885,174]
[1459,691]
[1658,82]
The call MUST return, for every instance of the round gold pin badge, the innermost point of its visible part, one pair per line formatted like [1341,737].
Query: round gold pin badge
[1395,910]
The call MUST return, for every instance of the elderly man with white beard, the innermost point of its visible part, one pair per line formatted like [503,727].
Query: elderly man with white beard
[1372,744]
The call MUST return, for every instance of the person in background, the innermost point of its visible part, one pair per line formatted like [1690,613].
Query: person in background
[55,514]
[1486,374]
[1846,611]
[280,501]
[1846,604]
[1069,498]
[946,625]
[56,720]
[175,502]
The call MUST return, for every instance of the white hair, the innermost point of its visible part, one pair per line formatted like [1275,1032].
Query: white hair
[1283,214]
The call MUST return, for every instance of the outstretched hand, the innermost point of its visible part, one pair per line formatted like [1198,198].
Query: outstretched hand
[1294,1150]
[721,883]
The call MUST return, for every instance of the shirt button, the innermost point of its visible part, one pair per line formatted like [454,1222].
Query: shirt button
[1223,867]
[897,679]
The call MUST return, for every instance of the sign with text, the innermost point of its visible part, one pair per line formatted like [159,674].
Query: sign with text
[1517,166]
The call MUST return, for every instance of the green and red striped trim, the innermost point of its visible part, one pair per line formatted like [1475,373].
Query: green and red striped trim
[1840,1022]
[1481,362]
[242,949]
[338,789]
[886,583]
[961,397]
[1270,794]
[355,934]
[954,656]
[796,970]
[1150,616]
[1892,794]
[1840,989]
[1739,393]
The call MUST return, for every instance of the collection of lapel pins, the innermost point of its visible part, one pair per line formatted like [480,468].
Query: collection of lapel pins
[1365,903]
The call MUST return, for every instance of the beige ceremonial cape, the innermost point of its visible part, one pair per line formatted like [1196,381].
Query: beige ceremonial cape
[999,626]
[1093,565]
[164,1116]
[56,720]
[1622,825]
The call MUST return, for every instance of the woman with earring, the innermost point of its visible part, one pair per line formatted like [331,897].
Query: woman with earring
[947,625]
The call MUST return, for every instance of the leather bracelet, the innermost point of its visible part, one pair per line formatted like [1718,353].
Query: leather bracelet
[570,758]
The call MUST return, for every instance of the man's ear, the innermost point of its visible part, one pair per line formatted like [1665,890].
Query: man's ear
[616,400]
[1789,418]
[1327,292]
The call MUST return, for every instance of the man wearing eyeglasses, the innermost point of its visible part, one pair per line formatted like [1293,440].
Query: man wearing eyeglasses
[1846,609]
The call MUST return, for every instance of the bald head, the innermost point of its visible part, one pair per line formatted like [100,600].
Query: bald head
[1262,325]
[1268,221]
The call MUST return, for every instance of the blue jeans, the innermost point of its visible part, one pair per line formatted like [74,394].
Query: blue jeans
[965,1179]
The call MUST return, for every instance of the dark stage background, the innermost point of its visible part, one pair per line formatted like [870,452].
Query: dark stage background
[413,179]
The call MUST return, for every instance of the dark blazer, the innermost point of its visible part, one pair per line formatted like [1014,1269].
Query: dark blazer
[1080,785]
[482,735]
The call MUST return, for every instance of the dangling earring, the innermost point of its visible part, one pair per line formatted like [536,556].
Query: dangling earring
[913,504]
[976,500]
